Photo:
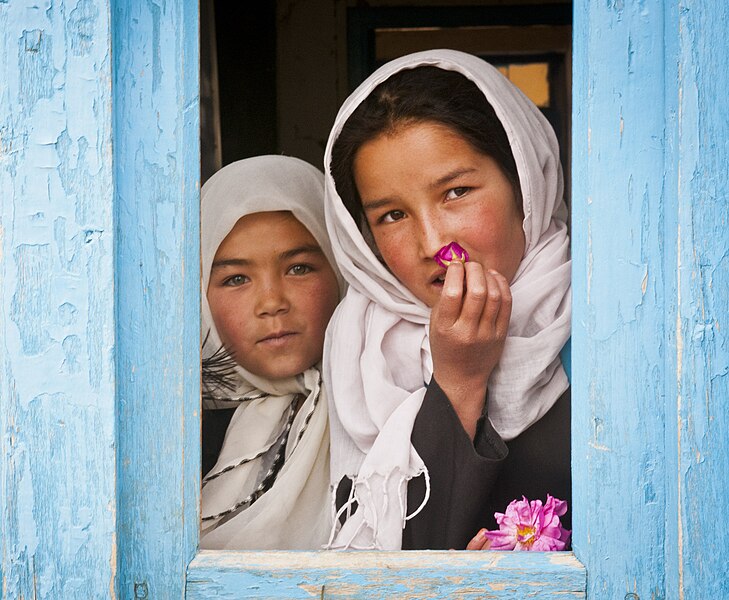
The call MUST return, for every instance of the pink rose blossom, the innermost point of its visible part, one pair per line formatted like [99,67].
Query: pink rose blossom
[452,252]
[530,526]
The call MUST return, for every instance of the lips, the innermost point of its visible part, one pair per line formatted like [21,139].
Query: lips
[277,338]
[438,278]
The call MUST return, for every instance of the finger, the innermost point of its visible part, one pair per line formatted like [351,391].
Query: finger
[494,300]
[448,308]
[478,541]
[476,292]
[504,315]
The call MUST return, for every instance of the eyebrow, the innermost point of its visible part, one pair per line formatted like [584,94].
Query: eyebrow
[374,204]
[286,255]
[305,249]
[448,177]
[231,262]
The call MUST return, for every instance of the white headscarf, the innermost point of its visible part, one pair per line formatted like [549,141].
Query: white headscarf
[293,514]
[377,352]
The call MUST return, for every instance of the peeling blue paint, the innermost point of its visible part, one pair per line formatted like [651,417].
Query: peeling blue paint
[81,25]
[703,211]
[157,278]
[71,349]
[305,575]
[655,458]
[57,401]
[67,314]
[31,307]
[35,64]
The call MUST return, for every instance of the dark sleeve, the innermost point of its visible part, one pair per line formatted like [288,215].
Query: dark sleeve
[538,464]
[214,424]
[462,475]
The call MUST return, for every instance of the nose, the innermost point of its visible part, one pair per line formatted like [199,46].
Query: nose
[272,299]
[432,234]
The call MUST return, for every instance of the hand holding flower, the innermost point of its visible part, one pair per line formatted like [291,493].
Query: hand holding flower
[468,327]
[479,541]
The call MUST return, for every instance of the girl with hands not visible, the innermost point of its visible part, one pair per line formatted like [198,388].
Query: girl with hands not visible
[448,395]
[269,287]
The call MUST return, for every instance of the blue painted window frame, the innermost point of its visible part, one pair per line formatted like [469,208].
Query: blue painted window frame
[158,290]
[99,382]
[629,467]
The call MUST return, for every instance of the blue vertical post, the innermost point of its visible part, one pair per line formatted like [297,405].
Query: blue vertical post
[156,167]
[651,435]
[57,380]
[697,426]
[620,330]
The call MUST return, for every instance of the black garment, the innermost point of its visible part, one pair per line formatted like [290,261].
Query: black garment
[462,475]
[471,481]
[539,463]
[214,425]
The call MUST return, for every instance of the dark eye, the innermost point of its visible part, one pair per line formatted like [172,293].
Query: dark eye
[235,280]
[457,192]
[300,269]
[392,216]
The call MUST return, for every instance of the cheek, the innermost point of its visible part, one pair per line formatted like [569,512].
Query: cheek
[400,265]
[322,303]
[482,235]
[317,306]
[491,227]
[498,240]
[227,311]
[398,252]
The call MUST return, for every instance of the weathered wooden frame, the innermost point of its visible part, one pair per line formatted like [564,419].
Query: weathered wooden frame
[99,382]
[140,456]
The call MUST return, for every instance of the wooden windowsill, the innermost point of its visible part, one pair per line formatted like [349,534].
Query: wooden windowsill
[413,574]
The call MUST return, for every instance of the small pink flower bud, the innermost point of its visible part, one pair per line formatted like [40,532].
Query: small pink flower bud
[450,253]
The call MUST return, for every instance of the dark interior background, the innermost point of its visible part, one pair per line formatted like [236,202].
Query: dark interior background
[274,73]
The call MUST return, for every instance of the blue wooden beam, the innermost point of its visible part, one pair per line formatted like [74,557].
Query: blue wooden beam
[620,336]
[330,575]
[698,259]
[57,380]
[156,167]
[651,274]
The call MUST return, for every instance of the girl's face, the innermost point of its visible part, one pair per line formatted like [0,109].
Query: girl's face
[271,294]
[423,186]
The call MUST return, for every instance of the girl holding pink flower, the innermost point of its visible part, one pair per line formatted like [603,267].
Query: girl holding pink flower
[448,397]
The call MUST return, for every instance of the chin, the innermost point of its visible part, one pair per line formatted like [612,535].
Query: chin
[428,300]
[279,375]
[285,373]
[284,367]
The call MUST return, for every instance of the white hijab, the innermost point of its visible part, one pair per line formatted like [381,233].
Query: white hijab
[293,514]
[377,353]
